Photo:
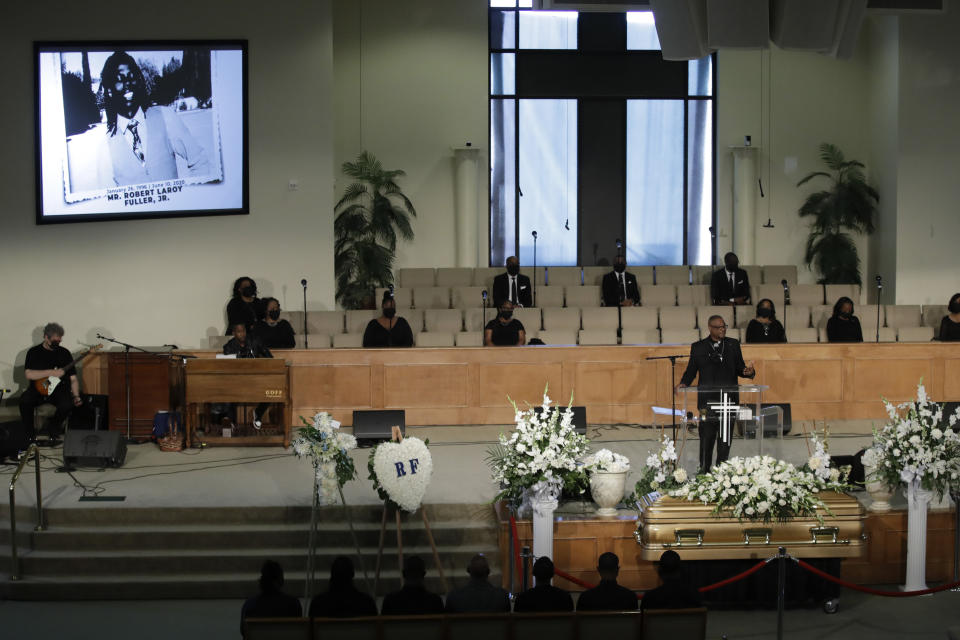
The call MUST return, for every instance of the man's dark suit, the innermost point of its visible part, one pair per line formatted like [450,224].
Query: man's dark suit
[716,366]
[720,290]
[501,290]
[613,290]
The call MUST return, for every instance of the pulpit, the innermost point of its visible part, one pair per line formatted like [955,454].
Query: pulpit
[248,380]
[737,408]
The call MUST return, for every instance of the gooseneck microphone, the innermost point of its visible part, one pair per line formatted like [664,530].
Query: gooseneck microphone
[306,334]
[786,301]
[879,294]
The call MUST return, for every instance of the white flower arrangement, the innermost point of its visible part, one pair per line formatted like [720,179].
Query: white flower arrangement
[760,488]
[401,472]
[661,472]
[543,447]
[606,461]
[328,448]
[917,444]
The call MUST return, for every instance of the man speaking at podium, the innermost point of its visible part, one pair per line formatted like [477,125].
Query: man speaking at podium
[719,362]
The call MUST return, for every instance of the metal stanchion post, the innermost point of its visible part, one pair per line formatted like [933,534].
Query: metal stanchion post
[955,496]
[513,569]
[526,555]
[781,588]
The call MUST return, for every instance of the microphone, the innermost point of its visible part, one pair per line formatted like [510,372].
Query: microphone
[879,282]
[619,244]
[534,234]
[303,283]
[483,294]
[391,290]
[566,225]
[784,284]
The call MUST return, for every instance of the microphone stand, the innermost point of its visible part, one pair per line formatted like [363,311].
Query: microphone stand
[534,297]
[879,295]
[306,334]
[786,301]
[126,375]
[673,389]
[623,296]
[483,307]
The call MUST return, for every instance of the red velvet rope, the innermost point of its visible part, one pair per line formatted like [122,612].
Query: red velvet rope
[739,576]
[876,592]
[516,548]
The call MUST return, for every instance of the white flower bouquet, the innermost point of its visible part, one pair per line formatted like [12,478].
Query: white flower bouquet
[918,443]
[544,447]
[328,448]
[606,461]
[661,472]
[759,488]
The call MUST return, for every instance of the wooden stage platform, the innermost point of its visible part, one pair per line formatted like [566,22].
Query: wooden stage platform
[617,384]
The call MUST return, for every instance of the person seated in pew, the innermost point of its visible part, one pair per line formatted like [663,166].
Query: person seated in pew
[730,285]
[412,599]
[619,287]
[543,596]
[245,306]
[342,599]
[512,286]
[843,326]
[765,328]
[504,330]
[950,325]
[673,593]
[271,602]
[389,330]
[272,331]
[478,595]
[608,595]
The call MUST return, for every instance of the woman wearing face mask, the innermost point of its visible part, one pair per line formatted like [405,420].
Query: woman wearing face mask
[273,332]
[245,306]
[765,327]
[504,330]
[950,325]
[843,326]
[389,330]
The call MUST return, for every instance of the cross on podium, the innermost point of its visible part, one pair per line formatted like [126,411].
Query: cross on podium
[729,411]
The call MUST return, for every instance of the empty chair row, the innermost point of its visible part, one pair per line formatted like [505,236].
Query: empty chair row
[589,276]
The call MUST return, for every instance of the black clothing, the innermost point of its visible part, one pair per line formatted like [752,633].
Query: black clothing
[504,335]
[345,601]
[411,600]
[478,596]
[401,335]
[674,593]
[839,330]
[720,290]
[249,313]
[760,332]
[545,597]
[39,358]
[270,604]
[949,330]
[253,348]
[278,336]
[718,364]
[501,290]
[607,596]
[613,289]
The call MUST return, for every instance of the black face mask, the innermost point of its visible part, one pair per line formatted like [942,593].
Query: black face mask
[846,314]
[954,306]
[389,312]
[506,314]
[732,266]
[765,312]
[54,344]
[513,269]
[274,314]
[619,268]
[248,292]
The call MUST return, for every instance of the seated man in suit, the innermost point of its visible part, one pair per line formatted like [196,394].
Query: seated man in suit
[342,599]
[608,595]
[478,595]
[730,285]
[718,361]
[544,596]
[412,599]
[512,286]
[673,593]
[271,602]
[619,286]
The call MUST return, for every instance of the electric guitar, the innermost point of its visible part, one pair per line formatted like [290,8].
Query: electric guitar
[46,386]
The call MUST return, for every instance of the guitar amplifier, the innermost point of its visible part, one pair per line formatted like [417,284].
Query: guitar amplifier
[94,449]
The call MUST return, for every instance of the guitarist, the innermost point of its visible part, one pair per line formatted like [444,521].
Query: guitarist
[43,361]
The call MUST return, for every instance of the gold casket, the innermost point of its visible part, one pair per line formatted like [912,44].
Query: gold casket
[693,531]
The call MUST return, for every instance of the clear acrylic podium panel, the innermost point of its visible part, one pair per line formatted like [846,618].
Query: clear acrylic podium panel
[742,405]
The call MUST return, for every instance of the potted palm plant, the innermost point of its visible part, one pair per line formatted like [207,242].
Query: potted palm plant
[848,205]
[370,216]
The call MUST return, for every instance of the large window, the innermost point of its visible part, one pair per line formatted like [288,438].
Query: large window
[594,137]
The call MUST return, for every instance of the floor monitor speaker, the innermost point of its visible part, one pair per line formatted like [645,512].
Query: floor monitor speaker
[579,418]
[94,448]
[374,426]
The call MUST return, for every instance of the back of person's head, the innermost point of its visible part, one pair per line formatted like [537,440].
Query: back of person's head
[414,569]
[669,564]
[341,571]
[608,565]
[271,576]
[954,306]
[478,568]
[543,569]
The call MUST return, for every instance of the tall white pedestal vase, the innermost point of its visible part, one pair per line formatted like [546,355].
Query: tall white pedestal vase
[607,490]
[544,500]
[918,500]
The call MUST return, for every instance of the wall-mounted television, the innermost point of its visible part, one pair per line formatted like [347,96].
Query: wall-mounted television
[140,129]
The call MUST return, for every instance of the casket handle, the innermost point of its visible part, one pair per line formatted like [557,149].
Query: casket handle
[824,534]
[757,536]
[688,536]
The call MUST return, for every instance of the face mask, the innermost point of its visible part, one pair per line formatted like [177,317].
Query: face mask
[248,292]
[513,269]
[765,312]
[274,314]
[619,268]
[506,314]
[845,315]
[389,312]
[732,266]
[54,344]
[955,306]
